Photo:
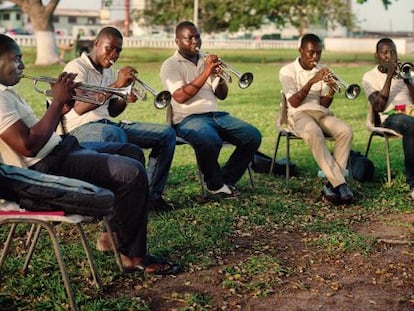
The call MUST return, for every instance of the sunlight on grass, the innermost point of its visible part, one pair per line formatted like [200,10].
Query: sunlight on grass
[201,235]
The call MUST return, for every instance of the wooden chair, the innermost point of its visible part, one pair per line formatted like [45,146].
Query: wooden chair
[285,130]
[373,125]
[181,141]
[12,214]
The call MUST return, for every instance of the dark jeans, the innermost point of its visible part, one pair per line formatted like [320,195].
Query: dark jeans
[159,138]
[404,125]
[206,133]
[124,176]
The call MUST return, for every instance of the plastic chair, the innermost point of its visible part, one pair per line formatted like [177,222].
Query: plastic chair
[373,125]
[181,141]
[12,214]
[285,130]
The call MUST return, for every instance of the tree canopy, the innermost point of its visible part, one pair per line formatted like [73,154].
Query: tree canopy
[229,15]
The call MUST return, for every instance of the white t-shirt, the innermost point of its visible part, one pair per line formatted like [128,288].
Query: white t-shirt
[374,80]
[292,78]
[12,109]
[178,71]
[88,74]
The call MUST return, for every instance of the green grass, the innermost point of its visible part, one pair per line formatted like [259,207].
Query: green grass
[198,235]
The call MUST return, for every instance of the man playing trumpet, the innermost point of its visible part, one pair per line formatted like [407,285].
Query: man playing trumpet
[91,123]
[309,93]
[196,82]
[392,96]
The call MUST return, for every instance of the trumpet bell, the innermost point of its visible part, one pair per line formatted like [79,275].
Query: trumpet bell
[352,91]
[162,99]
[406,71]
[245,80]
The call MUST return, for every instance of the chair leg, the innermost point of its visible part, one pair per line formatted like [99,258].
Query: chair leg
[89,256]
[369,144]
[7,243]
[249,170]
[113,243]
[387,157]
[272,165]
[33,238]
[287,159]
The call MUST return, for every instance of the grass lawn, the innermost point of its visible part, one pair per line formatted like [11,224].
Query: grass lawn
[198,235]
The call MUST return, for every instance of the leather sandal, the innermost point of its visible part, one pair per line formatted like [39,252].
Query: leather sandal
[153,264]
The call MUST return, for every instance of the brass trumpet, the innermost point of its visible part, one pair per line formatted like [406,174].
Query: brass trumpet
[120,92]
[352,91]
[245,79]
[162,99]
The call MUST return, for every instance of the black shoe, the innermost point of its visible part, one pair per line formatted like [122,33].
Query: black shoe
[329,193]
[344,192]
[160,205]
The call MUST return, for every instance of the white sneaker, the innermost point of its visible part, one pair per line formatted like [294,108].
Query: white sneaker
[225,191]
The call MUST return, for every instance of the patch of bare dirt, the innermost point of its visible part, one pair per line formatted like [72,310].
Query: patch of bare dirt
[316,280]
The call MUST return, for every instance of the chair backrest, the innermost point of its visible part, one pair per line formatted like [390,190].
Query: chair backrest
[373,122]
[282,118]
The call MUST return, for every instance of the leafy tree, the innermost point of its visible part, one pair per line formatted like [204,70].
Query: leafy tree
[233,15]
[386,3]
[41,17]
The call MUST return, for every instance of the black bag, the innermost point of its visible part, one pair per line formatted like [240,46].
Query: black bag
[261,164]
[36,191]
[361,168]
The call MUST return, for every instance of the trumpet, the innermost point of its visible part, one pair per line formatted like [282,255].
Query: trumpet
[405,70]
[352,91]
[245,79]
[162,99]
[120,92]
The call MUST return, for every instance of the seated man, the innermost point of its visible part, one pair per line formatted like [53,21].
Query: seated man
[26,141]
[309,97]
[90,122]
[387,89]
[195,84]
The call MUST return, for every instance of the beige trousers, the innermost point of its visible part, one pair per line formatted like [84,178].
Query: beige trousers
[311,126]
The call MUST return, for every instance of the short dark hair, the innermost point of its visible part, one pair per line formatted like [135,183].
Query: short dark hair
[309,37]
[6,44]
[384,41]
[182,25]
[109,31]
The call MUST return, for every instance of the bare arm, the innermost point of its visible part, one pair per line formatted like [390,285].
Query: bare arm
[29,141]
[188,91]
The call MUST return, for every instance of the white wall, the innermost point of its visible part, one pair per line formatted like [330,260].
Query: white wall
[404,45]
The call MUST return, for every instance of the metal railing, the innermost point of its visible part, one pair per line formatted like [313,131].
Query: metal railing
[30,41]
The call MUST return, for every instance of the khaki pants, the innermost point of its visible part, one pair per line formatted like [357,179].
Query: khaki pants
[311,126]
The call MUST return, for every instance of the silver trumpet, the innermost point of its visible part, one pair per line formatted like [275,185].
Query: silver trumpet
[245,79]
[352,91]
[405,70]
[120,92]
[162,99]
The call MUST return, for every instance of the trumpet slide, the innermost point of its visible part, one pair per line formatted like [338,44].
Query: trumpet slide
[120,92]
[245,79]
[352,91]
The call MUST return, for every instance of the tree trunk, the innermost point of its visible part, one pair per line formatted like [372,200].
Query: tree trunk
[41,18]
[46,48]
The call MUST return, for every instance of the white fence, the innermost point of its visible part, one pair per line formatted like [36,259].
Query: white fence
[29,41]
[404,45]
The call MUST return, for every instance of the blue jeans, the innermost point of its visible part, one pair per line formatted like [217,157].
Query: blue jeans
[160,138]
[206,133]
[404,125]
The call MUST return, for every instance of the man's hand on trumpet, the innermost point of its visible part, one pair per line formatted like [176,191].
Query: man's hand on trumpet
[62,91]
[212,64]
[127,75]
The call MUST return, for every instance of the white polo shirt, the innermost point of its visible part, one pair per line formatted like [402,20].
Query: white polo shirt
[88,74]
